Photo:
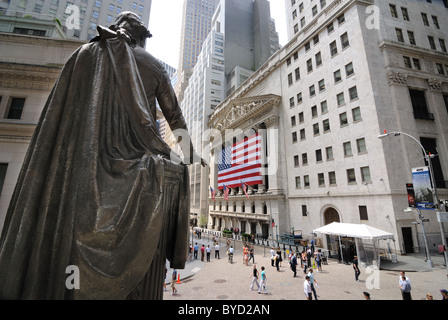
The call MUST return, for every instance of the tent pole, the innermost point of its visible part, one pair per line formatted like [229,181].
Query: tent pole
[340,247]
[357,250]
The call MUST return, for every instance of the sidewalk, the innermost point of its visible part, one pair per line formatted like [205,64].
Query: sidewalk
[220,280]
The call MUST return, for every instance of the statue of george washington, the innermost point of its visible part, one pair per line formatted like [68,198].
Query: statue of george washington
[99,189]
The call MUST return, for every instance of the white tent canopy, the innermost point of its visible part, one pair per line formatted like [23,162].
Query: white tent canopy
[357,231]
[353,230]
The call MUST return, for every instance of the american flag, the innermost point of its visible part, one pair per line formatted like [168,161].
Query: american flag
[212,191]
[241,162]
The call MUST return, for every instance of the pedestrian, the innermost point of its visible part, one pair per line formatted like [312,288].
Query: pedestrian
[263,279]
[279,253]
[164,280]
[444,294]
[208,250]
[308,257]
[245,255]
[272,256]
[251,254]
[190,252]
[217,250]
[304,261]
[196,249]
[173,282]
[356,268]
[405,286]
[366,295]
[318,259]
[429,296]
[307,288]
[312,282]
[277,261]
[294,264]
[254,278]
[202,253]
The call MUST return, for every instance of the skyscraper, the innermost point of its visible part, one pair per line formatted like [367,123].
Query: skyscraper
[241,40]
[196,24]
[79,18]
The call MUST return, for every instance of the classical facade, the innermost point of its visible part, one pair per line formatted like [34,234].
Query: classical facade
[29,67]
[344,77]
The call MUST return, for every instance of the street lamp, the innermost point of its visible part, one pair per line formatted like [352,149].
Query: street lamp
[421,221]
[433,182]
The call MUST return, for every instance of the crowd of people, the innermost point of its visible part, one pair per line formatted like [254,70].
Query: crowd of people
[308,260]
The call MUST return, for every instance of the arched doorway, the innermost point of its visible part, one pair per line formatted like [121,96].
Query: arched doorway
[331,215]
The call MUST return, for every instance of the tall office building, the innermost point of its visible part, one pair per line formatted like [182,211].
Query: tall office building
[350,70]
[78,18]
[242,39]
[196,24]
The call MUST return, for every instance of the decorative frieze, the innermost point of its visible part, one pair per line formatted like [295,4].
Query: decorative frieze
[395,77]
[435,84]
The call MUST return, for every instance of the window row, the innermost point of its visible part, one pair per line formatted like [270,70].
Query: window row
[347,149]
[405,16]
[14,107]
[414,63]
[331,179]
[411,37]
[343,118]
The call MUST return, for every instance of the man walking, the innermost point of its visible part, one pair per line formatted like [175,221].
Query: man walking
[307,288]
[217,250]
[294,264]
[405,286]
[312,282]
[195,250]
[356,268]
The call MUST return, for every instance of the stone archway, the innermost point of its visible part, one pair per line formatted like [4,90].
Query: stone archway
[331,215]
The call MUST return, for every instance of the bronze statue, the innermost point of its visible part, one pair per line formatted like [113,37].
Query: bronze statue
[99,192]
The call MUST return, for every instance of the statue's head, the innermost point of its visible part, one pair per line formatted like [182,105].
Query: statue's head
[132,23]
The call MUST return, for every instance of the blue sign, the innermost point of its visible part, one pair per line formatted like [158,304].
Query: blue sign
[422,188]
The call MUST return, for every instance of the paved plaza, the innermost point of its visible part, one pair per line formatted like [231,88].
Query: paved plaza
[221,280]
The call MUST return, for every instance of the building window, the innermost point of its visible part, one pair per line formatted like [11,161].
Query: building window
[442,45]
[353,93]
[330,28]
[297,72]
[432,43]
[309,65]
[356,113]
[314,10]
[351,177]
[290,82]
[344,41]
[332,178]
[306,181]
[343,120]
[302,134]
[435,21]
[293,121]
[425,19]
[319,155]
[301,117]
[361,145]
[15,108]
[299,98]
[337,76]
[95,14]
[304,211]
[365,174]
[416,63]
[399,34]
[407,62]
[321,85]
[411,37]
[363,213]
[316,129]
[333,48]
[304,159]
[347,149]
[329,153]
[405,14]
[440,69]
[340,98]
[326,125]
[321,179]
[298,185]
[341,19]
[318,59]
[349,69]
[312,91]
[291,102]
[393,11]
[314,111]
[324,106]
[296,161]
[419,105]
[294,137]
[430,146]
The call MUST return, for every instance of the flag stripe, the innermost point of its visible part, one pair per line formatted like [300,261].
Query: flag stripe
[241,161]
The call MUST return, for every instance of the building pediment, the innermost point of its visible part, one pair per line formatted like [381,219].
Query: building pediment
[237,111]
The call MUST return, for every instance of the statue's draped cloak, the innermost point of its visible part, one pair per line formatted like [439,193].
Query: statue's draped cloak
[91,190]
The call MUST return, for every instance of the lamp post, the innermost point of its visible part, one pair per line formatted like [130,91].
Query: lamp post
[421,221]
[433,182]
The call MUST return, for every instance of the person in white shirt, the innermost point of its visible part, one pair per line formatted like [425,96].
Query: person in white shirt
[217,251]
[307,288]
[272,256]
